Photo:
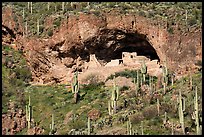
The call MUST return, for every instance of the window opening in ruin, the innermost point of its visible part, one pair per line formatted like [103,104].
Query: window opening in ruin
[120,61]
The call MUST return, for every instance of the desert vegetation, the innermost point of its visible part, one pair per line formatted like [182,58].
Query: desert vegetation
[100,108]
[184,15]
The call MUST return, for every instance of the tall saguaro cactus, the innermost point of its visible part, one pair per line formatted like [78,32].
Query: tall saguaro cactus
[172,128]
[115,96]
[26,28]
[28,5]
[172,79]
[29,113]
[63,6]
[109,108]
[31,7]
[165,77]
[48,6]
[23,14]
[38,27]
[136,83]
[89,125]
[142,128]
[158,106]
[181,109]
[75,86]
[198,127]
[129,127]
[143,70]
[52,125]
[191,82]
[112,104]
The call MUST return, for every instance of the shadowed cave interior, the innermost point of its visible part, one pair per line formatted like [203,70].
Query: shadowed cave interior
[110,44]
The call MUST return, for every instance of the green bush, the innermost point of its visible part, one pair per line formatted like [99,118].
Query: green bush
[150,112]
[142,13]
[77,124]
[136,118]
[23,73]
[49,32]
[170,30]
[124,88]
[57,22]
[92,79]
[125,73]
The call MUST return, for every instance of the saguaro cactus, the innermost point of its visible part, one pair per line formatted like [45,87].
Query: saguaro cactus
[29,113]
[23,13]
[75,86]
[38,27]
[112,104]
[143,70]
[62,6]
[191,82]
[165,77]
[136,83]
[172,79]
[129,127]
[142,128]
[115,96]
[31,7]
[109,108]
[165,117]
[89,125]
[48,6]
[198,128]
[181,110]
[26,28]
[172,128]
[158,106]
[28,5]
[52,125]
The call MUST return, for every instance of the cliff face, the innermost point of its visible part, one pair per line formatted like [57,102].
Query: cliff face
[53,60]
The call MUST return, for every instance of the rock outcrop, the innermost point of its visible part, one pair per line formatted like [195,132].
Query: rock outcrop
[53,60]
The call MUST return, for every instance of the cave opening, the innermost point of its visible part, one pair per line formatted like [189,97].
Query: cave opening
[110,44]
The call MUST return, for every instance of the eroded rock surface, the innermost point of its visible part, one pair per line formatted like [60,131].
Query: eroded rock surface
[53,60]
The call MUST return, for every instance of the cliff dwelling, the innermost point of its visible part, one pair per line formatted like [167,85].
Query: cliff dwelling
[111,44]
[114,47]
[115,50]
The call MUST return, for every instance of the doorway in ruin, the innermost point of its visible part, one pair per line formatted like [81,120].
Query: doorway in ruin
[110,44]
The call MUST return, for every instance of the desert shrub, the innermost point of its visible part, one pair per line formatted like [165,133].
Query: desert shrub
[57,22]
[41,28]
[23,73]
[136,118]
[156,120]
[199,63]
[77,124]
[50,32]
[150,112]
[124,88]
[102,95]
[142,13]
[92,79]
[170,30]
[126,73]
[169,108]
[97,13]
[192,21]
